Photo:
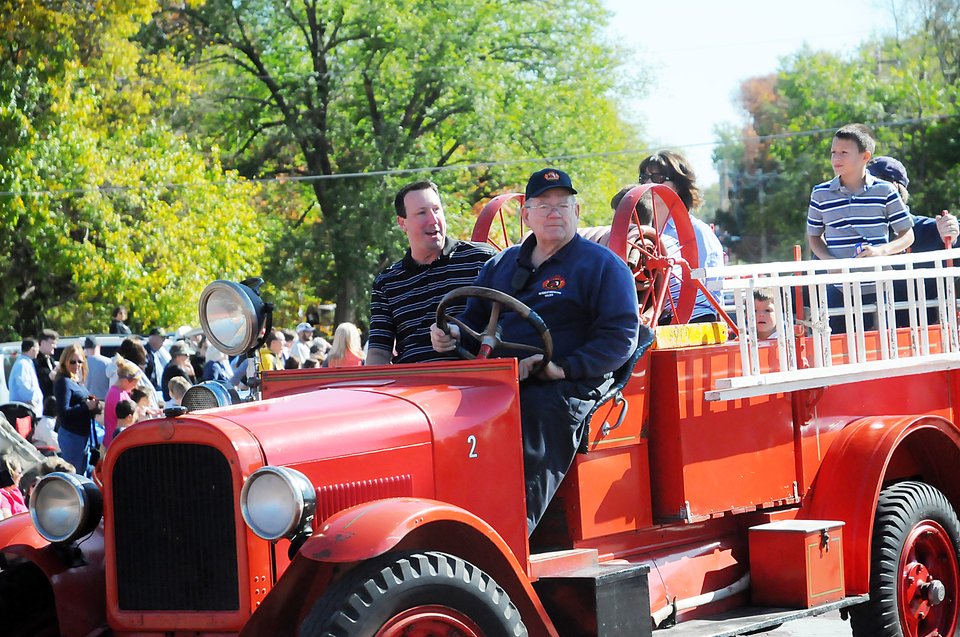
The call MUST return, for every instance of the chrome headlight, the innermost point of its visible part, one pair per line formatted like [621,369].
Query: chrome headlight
[65,506]
[231,315]
[276,502]
[210,394]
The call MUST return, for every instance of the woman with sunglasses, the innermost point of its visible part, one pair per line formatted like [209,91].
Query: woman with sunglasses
[672,169]
[76,408]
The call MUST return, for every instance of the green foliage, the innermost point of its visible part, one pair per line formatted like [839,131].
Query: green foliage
[327,89]
[906,90]
[97,215]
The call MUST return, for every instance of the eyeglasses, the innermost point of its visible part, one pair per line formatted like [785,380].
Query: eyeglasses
[545,209]
[657,178]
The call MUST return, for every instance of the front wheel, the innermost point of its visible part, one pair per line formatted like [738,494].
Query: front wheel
[425,594]
[914,573]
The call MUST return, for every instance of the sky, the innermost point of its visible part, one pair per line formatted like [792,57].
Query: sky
[696,53]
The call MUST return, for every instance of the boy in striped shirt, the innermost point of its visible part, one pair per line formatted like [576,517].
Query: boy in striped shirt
[853,214]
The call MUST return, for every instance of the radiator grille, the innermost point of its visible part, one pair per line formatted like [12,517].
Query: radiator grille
[174,529]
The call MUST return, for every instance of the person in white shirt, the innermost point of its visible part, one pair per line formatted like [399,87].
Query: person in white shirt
[24,385]
[45,433]
[301,348]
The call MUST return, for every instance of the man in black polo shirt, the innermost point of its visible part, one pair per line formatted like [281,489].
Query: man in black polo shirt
[405,296]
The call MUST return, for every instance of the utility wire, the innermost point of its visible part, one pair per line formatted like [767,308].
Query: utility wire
[396,172]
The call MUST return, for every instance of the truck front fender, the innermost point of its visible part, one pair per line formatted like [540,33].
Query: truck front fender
[368,530]
[76,574]
[868,454]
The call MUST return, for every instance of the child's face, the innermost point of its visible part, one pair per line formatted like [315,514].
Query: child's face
[846,158]
[766,318]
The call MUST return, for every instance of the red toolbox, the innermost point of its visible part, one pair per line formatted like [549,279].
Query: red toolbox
[796,563]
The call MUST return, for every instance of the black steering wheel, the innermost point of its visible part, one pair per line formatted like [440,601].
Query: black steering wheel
[490,338]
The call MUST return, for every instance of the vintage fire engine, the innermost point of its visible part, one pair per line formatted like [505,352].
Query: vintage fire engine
[723,487]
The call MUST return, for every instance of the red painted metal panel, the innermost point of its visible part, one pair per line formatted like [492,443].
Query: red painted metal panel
[637,394]
[711,457]
[608,492]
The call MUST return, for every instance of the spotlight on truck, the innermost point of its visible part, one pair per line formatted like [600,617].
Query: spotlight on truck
[233,315]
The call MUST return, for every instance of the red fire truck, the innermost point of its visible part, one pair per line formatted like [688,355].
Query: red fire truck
[724,486]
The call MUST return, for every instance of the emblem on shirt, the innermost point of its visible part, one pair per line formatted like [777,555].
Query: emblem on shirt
[551,176]
[554,283]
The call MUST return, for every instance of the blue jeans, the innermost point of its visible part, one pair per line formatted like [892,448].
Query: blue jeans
[75,449]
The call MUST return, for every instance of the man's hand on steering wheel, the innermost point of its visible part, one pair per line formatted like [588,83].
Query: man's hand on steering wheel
[443,342]
[445,333]
[551,371]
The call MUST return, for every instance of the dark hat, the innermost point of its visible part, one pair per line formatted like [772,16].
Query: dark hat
[157,331]
[180,349]
[543,180]
[889,169]
[90,342]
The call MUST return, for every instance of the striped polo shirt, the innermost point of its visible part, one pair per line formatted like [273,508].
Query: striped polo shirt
[848,219]
[405,296]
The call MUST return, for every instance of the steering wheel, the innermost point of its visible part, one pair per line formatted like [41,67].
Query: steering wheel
[490,338]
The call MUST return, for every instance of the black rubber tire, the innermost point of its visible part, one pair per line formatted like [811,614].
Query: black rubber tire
[367,597]
[901,507]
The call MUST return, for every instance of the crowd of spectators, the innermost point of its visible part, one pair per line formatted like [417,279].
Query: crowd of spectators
[82,400]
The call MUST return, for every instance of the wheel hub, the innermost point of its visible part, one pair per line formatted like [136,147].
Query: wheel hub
[929,578]
[430,621]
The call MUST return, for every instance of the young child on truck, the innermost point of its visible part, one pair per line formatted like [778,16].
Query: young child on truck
[853,214]
[766,315]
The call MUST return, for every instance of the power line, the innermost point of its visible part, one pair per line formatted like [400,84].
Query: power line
[396,172]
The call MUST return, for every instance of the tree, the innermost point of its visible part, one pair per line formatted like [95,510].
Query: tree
[896,85]
[323,90]
[103,202]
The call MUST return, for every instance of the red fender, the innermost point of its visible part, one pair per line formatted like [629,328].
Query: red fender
[397,524]
[17,533]
[867,454]
[79,592]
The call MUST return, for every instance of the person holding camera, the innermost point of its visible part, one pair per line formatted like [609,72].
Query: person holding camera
[76,409]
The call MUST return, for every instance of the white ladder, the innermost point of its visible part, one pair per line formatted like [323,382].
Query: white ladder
[856,278]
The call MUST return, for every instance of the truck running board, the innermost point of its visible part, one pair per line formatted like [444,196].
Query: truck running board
[749,619]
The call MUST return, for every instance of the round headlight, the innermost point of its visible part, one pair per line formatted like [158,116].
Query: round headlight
[65,506]
[277,501]
[231,314]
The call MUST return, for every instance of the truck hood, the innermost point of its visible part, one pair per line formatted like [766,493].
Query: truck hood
[326,423]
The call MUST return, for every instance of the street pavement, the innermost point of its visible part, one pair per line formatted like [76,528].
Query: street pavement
[827,625]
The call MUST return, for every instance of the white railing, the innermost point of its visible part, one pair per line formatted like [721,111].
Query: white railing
[821,365]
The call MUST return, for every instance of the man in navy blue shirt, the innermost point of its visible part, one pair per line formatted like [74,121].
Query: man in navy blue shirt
[586,296]
[930,233]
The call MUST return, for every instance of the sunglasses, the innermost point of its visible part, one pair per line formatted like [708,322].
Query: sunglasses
[657,178]
[75,362]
